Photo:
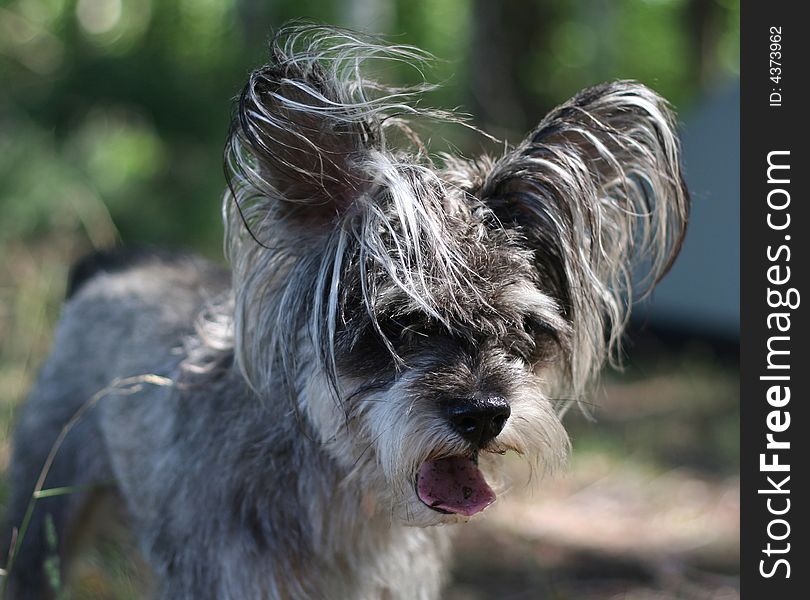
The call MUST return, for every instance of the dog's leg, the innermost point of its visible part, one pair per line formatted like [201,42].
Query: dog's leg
[42,529]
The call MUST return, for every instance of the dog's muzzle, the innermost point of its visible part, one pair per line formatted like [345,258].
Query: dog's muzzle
[478,420]
[455,484]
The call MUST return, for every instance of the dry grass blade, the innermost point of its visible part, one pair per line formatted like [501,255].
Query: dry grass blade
[122,386]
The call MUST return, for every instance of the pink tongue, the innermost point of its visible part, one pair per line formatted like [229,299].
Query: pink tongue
[454,485]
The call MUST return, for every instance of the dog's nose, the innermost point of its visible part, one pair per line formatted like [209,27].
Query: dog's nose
[479,421]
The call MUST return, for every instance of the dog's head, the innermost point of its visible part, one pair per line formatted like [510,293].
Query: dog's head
[428,314]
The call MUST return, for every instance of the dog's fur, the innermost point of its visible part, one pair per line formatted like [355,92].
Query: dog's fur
[372,287]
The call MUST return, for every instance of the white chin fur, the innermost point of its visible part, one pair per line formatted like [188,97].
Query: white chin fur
[390,437]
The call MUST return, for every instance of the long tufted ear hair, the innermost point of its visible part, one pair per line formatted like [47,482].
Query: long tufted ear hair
[596,192]
[304,124]
[324,175]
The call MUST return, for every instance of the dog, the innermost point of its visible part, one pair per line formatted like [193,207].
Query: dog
[307,424]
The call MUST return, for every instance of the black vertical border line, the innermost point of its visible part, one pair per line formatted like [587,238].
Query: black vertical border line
[764,129]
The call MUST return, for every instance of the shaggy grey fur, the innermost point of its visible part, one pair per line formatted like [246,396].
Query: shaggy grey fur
[374,288]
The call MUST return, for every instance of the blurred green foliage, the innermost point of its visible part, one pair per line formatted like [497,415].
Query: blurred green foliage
[115,111]
[113,115]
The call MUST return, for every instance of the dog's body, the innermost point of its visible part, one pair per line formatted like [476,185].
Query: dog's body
[187,461]
[391,327]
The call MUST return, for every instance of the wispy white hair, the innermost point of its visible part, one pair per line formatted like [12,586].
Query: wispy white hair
[311,176]
[597,190]
[318,192]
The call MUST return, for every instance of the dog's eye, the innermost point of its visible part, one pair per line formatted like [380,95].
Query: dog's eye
[539,330]
[402,329]
[548,340]
[522,346]
[533,340]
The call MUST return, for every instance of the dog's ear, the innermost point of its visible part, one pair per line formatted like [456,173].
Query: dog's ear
[308,170]
[292,146]
[596,192]
[307,126]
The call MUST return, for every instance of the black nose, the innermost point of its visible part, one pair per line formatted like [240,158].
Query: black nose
[479,421]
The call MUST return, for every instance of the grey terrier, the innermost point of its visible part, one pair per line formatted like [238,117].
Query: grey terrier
[308,424]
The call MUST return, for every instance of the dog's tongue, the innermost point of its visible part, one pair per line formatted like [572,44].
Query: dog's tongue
[454,485]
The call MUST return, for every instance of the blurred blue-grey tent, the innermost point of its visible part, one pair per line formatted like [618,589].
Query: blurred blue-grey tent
[701,295]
